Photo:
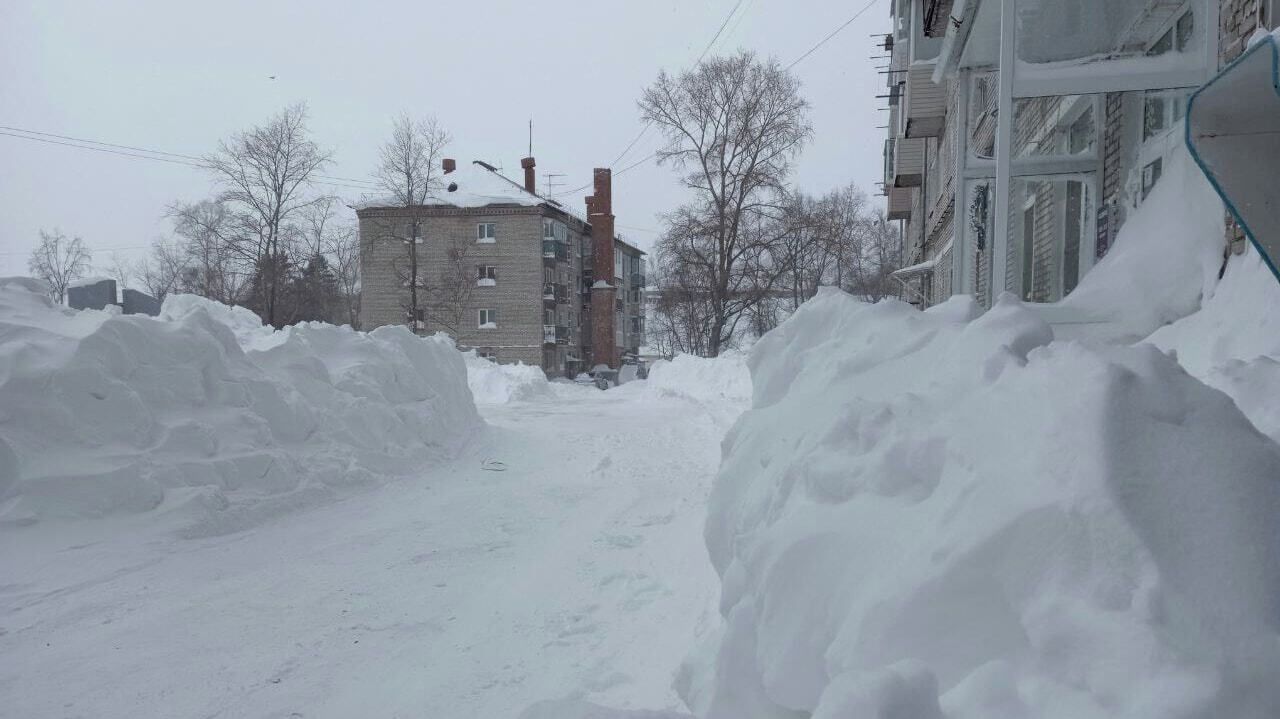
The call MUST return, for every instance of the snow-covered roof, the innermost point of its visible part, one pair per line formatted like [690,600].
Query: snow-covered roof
[86,281]
[479,185]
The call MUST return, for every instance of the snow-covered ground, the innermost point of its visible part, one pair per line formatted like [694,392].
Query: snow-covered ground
[462,592]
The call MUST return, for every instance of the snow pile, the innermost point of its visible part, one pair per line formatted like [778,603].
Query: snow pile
[1233,343]
[718,380]
[104,414]
[493,383]
[943,514]
[571,709]
[1165,260]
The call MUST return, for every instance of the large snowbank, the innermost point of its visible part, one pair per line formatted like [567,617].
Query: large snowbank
[1165,259]
[937,515]
[203,408]
[1233,343]
[493,383]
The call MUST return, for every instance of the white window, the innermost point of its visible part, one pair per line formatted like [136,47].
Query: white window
[1151,175]
[487,320]
[617,262]
[486,275]
[487,232]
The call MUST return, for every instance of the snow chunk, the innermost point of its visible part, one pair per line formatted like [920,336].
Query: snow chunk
[493,383]
[205,409]
[930,516]
[720,380]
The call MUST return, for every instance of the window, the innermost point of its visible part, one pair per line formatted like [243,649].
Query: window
[487,353]
[486,232]
[1161,111]
[1028,251]
[548,228]
[1072,234]
[1177,37]
[548,317]
[1151,175]
[548,275]
[617,262]
[486,275]
[1080,136]
[488,319]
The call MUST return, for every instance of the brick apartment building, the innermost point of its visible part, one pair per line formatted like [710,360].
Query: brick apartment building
[1096,89]
[507,272]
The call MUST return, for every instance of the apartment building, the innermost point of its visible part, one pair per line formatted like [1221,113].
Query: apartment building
[1096,91]
[505,271]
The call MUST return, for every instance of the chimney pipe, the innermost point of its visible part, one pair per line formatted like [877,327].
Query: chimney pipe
[448,165]
[604,350]
[530,185]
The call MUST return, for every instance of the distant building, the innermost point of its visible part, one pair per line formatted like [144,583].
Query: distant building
[98,292]
[1096,95]
[507,272]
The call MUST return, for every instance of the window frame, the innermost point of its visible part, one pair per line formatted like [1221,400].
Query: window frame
[486,239]
[486,318]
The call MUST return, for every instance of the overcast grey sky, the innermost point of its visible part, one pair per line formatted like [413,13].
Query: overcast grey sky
[179,76]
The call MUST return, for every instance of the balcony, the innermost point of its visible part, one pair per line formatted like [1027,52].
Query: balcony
[555,335]
[555,292]
[553,250]
[637,280]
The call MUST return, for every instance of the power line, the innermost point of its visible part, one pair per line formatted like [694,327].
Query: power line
[166,153]
[832,34]
[649,123]
[636,163]
[715,37]
[632,144]
[108,148]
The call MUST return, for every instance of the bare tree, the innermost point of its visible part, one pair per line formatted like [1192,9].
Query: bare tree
[879,254]
[734,126]
[166,270]
[59,261]
[449,299]
[120,270]
[408,172]
[265,172]
[342,246]
[216,261]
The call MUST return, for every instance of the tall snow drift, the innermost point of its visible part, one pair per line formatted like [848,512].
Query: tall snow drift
[204,408]
[928,515]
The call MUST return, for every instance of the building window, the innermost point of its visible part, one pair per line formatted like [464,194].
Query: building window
[486,275]
[1177,37]
[487,232]
[548,275]
[1161,111]
[487,353]
[488,319]
[1151,175]
[617,262]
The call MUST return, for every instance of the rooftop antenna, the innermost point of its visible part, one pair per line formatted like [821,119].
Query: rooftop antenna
[552,184]
[530,138]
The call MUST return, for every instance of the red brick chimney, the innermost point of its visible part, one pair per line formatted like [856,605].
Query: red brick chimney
[448,165]
[530,185]
[604,350]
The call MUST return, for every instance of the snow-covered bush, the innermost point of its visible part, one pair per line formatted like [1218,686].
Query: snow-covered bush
[493,383]
[202,408]
[929,515]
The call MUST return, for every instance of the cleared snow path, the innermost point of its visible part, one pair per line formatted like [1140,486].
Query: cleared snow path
[465,593]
